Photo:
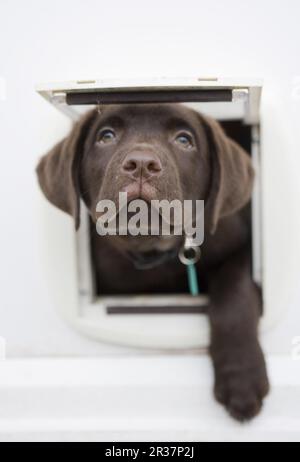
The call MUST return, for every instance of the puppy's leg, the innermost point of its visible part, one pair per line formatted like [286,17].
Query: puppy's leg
[240,373]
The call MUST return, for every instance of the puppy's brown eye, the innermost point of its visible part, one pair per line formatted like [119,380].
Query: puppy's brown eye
[185,140]
[107,136]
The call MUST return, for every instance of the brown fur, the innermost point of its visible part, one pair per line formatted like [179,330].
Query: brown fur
[146,160]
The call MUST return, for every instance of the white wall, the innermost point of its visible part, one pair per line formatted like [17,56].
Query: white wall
[67,39]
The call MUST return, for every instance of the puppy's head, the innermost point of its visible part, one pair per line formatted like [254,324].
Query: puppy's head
[151,152]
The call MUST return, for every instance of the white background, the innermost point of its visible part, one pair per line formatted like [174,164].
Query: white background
[72,39]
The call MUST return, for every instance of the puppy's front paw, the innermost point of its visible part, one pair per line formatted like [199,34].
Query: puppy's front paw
[241,391]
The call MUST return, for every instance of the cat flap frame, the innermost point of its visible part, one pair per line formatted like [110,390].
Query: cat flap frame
[156,321]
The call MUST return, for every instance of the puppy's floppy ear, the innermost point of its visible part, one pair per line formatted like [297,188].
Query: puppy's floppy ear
[57,171]
[232,174]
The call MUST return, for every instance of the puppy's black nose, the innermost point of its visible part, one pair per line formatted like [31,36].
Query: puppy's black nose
[141,164]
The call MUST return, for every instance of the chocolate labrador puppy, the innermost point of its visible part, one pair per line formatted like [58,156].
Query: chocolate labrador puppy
[171,152]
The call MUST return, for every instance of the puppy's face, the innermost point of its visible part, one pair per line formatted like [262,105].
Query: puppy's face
[148,151]
[151,152]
